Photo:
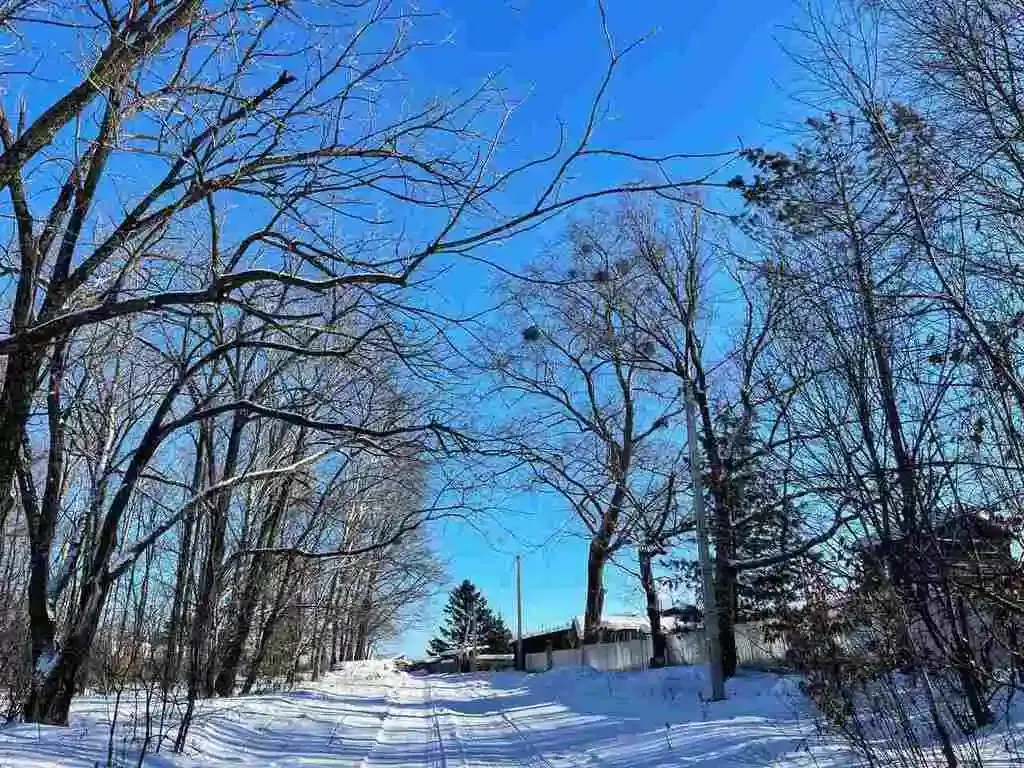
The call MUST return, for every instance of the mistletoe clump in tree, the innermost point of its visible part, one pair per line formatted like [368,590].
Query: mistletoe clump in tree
[470,623]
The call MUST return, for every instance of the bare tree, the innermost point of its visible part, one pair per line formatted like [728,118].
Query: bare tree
[587,413]
[691,279]
[659,522]
[893,238]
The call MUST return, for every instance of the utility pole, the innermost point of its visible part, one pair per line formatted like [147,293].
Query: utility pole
[520,659]
[707,573]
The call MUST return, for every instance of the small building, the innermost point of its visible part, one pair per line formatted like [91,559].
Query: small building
[434,665]
[625,627]
[562,637]
[494,662]
[614,628]
[468,659]
[968,546]
[622,628]
[687,617]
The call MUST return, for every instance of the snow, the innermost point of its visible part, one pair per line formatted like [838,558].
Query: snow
[370,714]
[45,664]
[640,623]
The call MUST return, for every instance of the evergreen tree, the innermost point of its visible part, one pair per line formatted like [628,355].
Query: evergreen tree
[764,523]
[497,636]
[469,622]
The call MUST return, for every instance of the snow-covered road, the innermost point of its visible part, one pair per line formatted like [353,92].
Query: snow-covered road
[371,715]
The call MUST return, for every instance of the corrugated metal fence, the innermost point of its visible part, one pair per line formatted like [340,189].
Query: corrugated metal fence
[687,648]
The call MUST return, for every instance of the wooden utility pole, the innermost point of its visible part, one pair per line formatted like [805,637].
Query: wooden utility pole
[706,570]
[520,658]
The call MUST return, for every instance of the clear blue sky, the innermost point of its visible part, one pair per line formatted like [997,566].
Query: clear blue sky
[712,76]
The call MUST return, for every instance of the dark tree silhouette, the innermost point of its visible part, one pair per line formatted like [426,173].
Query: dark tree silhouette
[470,623]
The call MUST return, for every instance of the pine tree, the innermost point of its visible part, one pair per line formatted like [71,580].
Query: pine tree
[469,622]
[497,637]
[764,523]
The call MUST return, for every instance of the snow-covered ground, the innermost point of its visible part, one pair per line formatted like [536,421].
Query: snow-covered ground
[371,715]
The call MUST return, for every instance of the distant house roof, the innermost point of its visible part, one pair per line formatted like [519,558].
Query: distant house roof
[617,623]
[688,612]
[568,626]
[614,623]
[461,650]
[956,528]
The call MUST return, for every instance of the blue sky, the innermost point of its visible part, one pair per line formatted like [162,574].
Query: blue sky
[711,76]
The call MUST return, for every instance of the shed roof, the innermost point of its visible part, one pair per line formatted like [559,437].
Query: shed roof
[641,623]
[612,623]
[957,527]
[556,629]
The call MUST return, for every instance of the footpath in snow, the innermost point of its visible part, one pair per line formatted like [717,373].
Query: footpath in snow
[371,715]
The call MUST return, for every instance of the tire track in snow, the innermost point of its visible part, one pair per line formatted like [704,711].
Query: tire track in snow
[438,760]
[452,730]
[393,696]
[533,755]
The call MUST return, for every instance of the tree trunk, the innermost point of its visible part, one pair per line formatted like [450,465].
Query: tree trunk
[200,677]
[725,576]
[658,643]
[202,673]
[600,551]
[182,579]
[45,656]
[365,610]
[55,679]
[596,560]
[267,631]
[230,653]
[725,595]
[53,670]
[335,640]
[19,385]
[49,699]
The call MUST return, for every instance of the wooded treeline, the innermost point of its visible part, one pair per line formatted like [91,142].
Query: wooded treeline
[224,419]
